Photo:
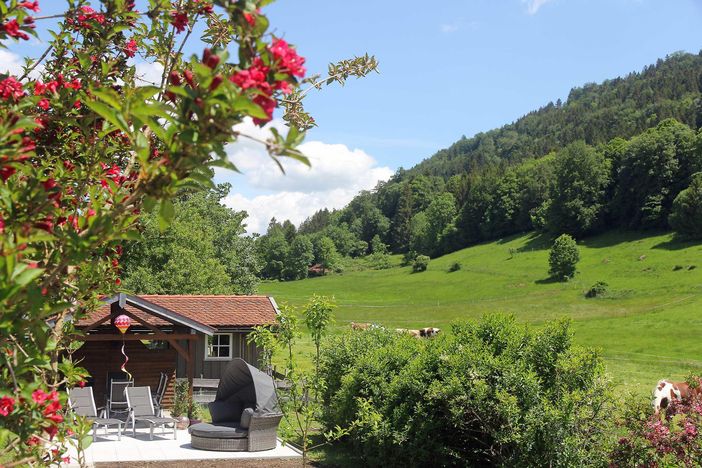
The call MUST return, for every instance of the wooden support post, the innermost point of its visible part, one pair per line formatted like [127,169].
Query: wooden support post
[190,367]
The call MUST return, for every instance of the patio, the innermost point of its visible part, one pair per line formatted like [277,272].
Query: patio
[107,449]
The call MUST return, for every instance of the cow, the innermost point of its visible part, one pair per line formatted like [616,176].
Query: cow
[427,332]
[666,391]
[360,326]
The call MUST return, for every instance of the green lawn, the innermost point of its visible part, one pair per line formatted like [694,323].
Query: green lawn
[649,327]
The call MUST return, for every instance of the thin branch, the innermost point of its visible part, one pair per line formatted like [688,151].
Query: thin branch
[35,64]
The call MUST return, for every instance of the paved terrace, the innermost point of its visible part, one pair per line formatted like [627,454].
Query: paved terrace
[107,449]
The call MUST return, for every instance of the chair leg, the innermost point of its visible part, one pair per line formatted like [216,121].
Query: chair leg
[174,432]
[133,427]
[119,431]
[151,432]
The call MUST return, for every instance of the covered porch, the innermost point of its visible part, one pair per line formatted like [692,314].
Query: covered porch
[155,340]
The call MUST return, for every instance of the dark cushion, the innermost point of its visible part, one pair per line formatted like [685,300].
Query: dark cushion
[218,431]
[222,411]
[246,418]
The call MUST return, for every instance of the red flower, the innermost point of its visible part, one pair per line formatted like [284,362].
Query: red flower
[2,225]
[205,8]
[216,81]
[49,184]
[44,104]
[179,20]
[34,6]
[89,14]
[131,48]
[34,440]
[253,77]
[287,58]
[81,384]
[74,84]
[7,405]
[174,78]
[284,87]
[268,105]
[12,28]
[51,430]
[11,88]
[209,59]
[189,78]
[6,172]
[39,396]
[251,19]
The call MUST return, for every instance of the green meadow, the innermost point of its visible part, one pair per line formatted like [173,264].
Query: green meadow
[648,326]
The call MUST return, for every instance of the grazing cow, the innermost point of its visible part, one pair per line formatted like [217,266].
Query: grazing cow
[429,332]
[666,391]
[421,333]
[360,326]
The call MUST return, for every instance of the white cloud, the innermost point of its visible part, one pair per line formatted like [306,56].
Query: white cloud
[533,6]
[12,64]
[449,28]
[336,175]
[149,73]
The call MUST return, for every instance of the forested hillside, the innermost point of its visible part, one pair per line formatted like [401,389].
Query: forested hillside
[595,113]
[615,154]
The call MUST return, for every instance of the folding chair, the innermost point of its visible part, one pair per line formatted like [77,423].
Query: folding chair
[117,400]
[141,408]
[160,393]
[82,403]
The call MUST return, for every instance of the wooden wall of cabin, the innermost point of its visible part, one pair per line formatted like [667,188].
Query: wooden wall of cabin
[145,365]
[208,369]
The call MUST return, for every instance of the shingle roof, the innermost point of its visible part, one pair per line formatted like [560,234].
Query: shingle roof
[212,310]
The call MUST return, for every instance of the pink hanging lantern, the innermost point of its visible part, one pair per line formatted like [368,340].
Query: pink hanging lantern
[123,322]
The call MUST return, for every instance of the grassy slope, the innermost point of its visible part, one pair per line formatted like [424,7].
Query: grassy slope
[650,327]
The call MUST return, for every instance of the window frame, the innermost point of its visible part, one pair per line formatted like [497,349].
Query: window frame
[219,358]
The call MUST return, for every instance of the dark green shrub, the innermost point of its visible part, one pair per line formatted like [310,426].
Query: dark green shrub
[455,266]
[181,400]
[408,257]
[598,289]
[420,263]
[563,257]
[677,267]
[686,215]
[492,393]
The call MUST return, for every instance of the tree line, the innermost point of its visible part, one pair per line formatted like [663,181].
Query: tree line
[621,154]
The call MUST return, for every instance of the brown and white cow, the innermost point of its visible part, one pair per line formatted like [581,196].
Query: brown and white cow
[666,391]
[427,332]
[360,326]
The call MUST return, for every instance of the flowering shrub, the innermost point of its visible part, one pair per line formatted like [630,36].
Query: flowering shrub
[85,146]
[669,439]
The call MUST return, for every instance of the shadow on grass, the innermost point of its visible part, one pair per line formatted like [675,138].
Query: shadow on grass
[537,241]
[677,243]
[549,280]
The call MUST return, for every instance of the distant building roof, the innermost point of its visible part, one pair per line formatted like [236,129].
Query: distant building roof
[212,310]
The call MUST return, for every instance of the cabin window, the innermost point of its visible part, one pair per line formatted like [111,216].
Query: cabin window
[219,347]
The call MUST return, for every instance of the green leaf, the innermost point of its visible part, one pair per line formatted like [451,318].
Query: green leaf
[108,114]
[245,105]
[165,214]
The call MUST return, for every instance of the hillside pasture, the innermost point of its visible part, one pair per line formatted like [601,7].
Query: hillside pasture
[648,325]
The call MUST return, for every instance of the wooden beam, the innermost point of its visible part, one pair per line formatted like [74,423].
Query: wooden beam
[185,354]
[135,337]
[153,328]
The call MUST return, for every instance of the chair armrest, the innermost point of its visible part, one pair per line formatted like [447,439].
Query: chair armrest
[102,411]
[263,431]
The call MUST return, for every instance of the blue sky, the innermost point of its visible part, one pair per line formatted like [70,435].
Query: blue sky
[446,69]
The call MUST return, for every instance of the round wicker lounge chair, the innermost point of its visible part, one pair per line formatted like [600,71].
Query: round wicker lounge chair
[245,413]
